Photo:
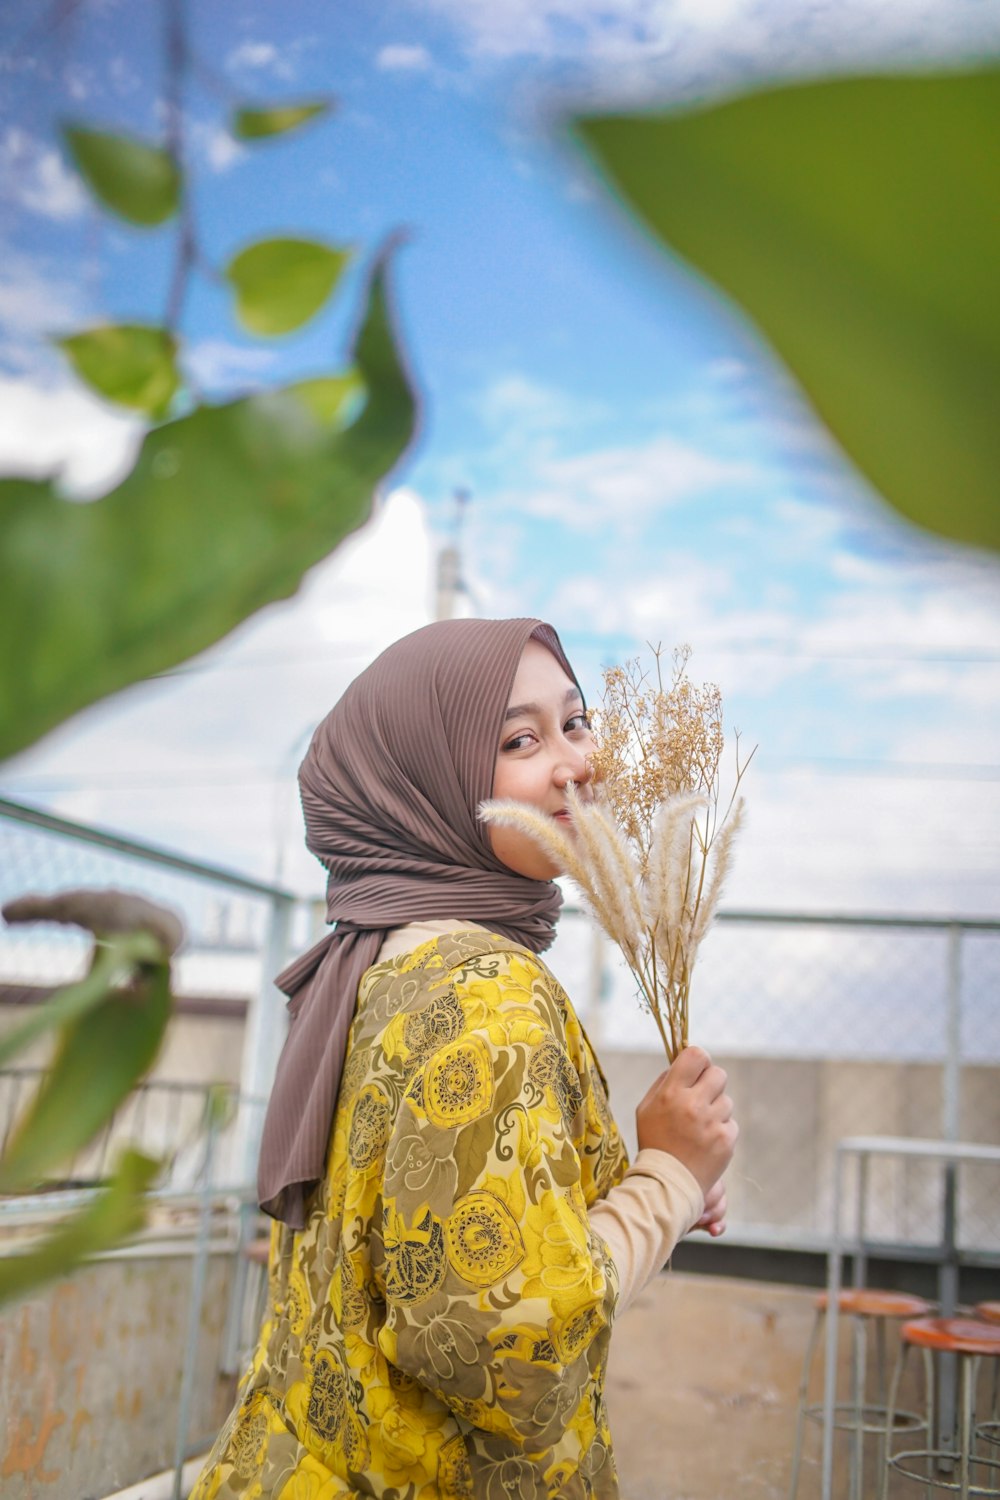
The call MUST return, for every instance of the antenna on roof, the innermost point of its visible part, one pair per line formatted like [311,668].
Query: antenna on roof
[450,581]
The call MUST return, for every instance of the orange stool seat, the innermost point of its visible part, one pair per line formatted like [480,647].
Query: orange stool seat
[868,1302]
[988,1311]
[954,1336]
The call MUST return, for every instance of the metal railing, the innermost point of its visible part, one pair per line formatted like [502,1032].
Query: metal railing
[829,1026]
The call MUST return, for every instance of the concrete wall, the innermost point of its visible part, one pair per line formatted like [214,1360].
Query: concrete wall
[196,1049]
[90,1375]
[792,1112]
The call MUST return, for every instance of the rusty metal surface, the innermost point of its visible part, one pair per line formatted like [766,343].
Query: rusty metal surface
[90,1374]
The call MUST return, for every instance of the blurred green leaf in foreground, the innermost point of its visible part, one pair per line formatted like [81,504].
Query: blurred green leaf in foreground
[856,221]
[108,1029]
[224,512]
[281,284]
[115,1213]
[129,363]
[279,119]
[138,182]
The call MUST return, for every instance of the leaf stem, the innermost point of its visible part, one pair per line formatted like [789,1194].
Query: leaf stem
[187,241]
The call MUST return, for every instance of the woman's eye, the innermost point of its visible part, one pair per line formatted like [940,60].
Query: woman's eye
[516,743]
[579,721]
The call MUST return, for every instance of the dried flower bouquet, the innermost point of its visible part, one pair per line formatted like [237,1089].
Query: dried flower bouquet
[651,850]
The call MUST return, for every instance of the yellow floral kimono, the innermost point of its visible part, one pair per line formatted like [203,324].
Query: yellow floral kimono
[440,1328]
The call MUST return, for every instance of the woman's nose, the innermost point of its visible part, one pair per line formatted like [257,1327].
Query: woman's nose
[575,767]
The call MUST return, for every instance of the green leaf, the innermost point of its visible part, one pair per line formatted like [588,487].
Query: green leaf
[856,222]
[114,1214]
[333,400]
[223,513]
[281,284]
[112,963]
[259,124]
[130,363]
[139,182]
[101,1056]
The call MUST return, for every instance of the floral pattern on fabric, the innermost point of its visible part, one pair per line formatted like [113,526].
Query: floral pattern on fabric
[439,1330]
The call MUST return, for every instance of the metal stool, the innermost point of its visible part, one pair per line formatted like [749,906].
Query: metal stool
[858,1416]
[971,1341]
[989,1431]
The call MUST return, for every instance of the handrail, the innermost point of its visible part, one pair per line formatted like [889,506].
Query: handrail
[860,919]
[37,817]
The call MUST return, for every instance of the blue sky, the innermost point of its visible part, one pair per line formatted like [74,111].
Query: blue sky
[639,466]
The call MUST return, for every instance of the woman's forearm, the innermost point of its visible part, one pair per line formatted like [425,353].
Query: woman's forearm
[643,1217]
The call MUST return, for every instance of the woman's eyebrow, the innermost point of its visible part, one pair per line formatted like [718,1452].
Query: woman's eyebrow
[516,709]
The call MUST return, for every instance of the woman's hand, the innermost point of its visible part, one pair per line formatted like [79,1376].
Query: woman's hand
[688,1113]
[713,1220]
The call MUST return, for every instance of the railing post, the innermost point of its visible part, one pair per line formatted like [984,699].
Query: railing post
[266,1028]
[951,1103]
[199,1271]
[597,985]
[833,1285]
[951,1081]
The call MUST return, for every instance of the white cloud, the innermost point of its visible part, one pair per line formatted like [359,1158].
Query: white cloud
[651,606]
[936,606]
[124,78]
[623,484]
[890,635]
[36,304]
[514,402]
[214,363]
[545,436]
[400,58]
[259,56]
[33,176]
[639,46]
[866,842]
[253,55]
[64,430]
[214,144]
[79,82]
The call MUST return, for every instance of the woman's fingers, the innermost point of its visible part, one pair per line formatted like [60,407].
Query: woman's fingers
[713,1218]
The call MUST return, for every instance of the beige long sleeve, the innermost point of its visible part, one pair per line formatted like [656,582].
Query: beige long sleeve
[641,1220]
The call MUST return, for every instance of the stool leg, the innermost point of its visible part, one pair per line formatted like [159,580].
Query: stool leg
[931,1439]
[890,1418]
[970,1369]
[993,1406]
[881,1392]
[858,1401]
[803,1398]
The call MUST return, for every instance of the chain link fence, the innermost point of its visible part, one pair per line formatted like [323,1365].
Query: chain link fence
[828,1027]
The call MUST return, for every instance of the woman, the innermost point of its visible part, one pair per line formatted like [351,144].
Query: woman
[448,1259]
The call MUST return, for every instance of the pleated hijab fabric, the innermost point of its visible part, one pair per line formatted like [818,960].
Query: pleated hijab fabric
[391,786]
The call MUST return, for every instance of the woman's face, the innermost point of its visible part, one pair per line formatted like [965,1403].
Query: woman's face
[545,741]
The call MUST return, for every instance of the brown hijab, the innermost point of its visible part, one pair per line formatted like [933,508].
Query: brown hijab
[391,786]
